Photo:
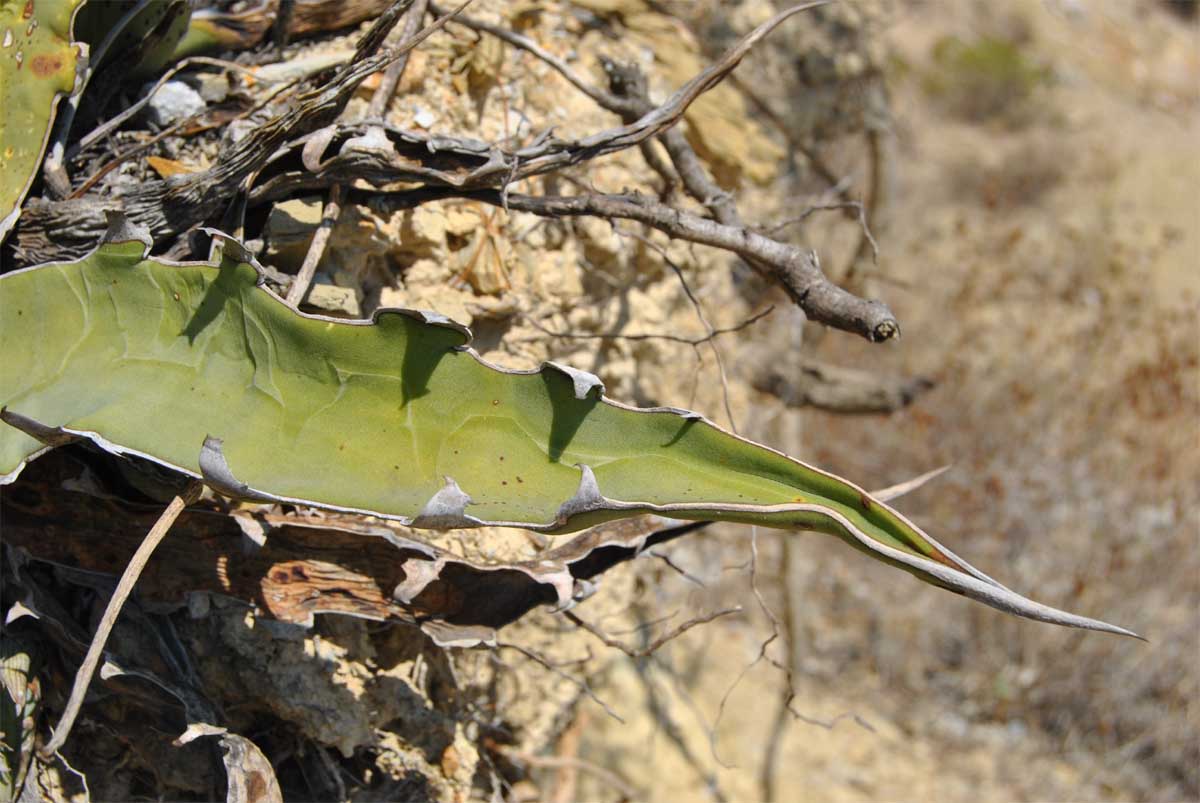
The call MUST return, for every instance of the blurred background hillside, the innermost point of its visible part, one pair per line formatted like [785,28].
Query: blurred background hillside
[1039,226]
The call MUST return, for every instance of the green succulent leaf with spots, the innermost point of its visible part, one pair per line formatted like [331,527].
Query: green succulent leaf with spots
[200,368]
[38,64]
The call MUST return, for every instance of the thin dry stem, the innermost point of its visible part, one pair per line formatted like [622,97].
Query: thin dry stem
[605,775]
[316,249]
[581,683]
[87,669]
[644,652]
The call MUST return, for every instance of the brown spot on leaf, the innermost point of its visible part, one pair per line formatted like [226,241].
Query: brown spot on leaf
[45,65]
[27,12]
[256,787]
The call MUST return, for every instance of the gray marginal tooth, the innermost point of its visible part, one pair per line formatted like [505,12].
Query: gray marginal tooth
[686,415]
[216,472]
[587,497]
[229,246]
[429,316]
[446,509]
[584,589]
[435,319]
[583,381]
[122,230]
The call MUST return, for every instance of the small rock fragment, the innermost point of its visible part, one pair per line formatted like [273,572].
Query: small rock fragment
[213,87]
[289,231]
[424,118]
[328,297]
[174,101]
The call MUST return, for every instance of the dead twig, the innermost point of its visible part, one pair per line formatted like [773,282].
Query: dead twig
[580,683]
[125,156]
[106,128]
[798,270]
[87,669]
[791,626]
[391,78]
[316,249]
[839,186]
[868,212]
[54,171]
[860,209]
[690,341]
[682,572]
[414,12]
[644,652]
[627,791]
[691,297]
[672,730]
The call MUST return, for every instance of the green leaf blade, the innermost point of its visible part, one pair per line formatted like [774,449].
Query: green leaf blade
[199,368]
[38,62]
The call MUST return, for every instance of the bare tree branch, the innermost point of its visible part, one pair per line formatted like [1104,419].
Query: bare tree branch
[690,341]
[798,270]
[838,389]
[643,652]
[583,685]
[606,775]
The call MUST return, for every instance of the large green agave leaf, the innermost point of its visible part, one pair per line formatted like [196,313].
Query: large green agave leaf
[199,367]
[38,62]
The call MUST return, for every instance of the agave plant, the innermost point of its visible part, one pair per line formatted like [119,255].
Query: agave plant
[201,368]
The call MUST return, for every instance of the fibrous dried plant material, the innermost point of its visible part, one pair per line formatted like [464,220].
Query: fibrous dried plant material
[143,33]
[38,63]
[215,28]
[385,156]
[124,588]
[200,368]
[303,566]
[251,777]
[20,696]
[170,207]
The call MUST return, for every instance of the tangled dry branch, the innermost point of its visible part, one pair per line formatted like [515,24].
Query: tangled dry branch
[285,156]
